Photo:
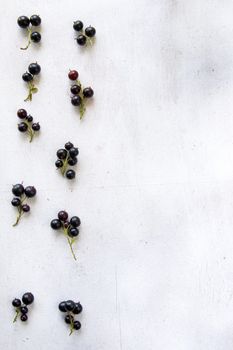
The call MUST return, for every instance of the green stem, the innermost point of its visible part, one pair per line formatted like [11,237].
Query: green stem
[82,107]
[20,214]
[64,166]
[32,89]
[16,315]
[70,242]
[71,325]
[30,131]
[29,40]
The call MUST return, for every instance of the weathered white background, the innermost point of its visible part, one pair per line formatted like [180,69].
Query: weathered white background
[155,183]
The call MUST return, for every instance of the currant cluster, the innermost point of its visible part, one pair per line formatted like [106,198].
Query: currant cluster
[71,308]
[27,23]
[33,69]
[69,227]
[21,306]
[21,194]
[85,36]
[79,94]
[27,124]
[67,156]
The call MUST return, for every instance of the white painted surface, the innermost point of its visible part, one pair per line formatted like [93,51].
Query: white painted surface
[154,191]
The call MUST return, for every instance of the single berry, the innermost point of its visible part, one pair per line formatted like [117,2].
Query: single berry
[27,77]
[75,221]
[78,309]
[69,319]
[55,224]
[29,118]
[35,37]
[81,39]
[35,20]
[22,113]
[36,126]
[88,92]
[77,325]
[62,153]
[25,208]
[73,75]
[90,31]
[16,302]
[16,202]
[30,191]
[78,25]
[70,305]
[28,298]
[22,127]
[59,163]
[34,68]
[76,100]
[73,152]
[62,306]
[24,310]
[68,146]
[18,190]
[72,161]
[23,21]
[62,215]
[75,89]
[70,174]
[73,232]
[24,318]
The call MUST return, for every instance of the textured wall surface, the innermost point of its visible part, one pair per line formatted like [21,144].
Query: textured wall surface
[155,177]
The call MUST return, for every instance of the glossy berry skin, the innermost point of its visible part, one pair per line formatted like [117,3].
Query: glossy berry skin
[16,202]
[73,152]
[30,191]
[72,161]
[70,305]
[78,25]
[24,318]
[62,215]
[90,31]
[28,298]
[29,118]
[35,37]
[75,89]
[18,190]
[16,302]
[73,75]
[56,224]
[25,208]
[77,325]
[81,40]
[36,126]
[70,174]
[61,153]
[35,20]
[68,145]
[59,163]
[24,310]
[62,306]
[23,21]
[76,100]
[78,309]
[88,92]
[69,319]
[22,113]
[73,232]
[27,77]
[75,221]
[22,127]
[34,68]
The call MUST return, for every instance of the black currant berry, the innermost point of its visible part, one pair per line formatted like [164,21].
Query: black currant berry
[24,318]
[73,75]
[70,174]
[70,305]
[81,39]
[24,310]
[36,126]
[30,191]
[90,31]
[78,25]
[35,37]
[23,21]
[27,77]
[88,92]
[69,319]
[34,68]
[35,20]
[73,232]
[29,118]
[75,89]
[76,100]
[73,152]
[59,163]
[72,161]
[22,113]
[18,190]
[77,325]
[28,298]
[62,306]
[25,208]
[68,145]
[75,221]
[56,224]
[16,202]
[62,215]
[62,153]
[22,127]
[16,302]
[78,309]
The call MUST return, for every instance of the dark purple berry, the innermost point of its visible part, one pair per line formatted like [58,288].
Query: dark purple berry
[55,224]
[76,100]
[35,20]
[68,146]
[59,163]
[90,31]
[24,310]
[24,318]
[88,92]
[28,298]
[16,302]
[75,89]
[62,306]
[34,68]
[69,319]
[30,191]
[29,118]
[16,202]
[62,153]
[25,208]
[70,305]
[77,325]
[36,126]
[18,190]
[72,161]
[62,215]
[73,75]
[35,37]
[78,309]
[81,40]
[27,77]
[70,174]
[78,25]
[73,152]
[22,113]
[75,221]
[22,127]
[23,21]
[73,232]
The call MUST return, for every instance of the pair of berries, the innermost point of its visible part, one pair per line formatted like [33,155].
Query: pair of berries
[27,23]
[21,194]
[71,308]
[67,156]
[69,227]
[21,306]
[27,125]
[85,36]
[79,94]
[33,69]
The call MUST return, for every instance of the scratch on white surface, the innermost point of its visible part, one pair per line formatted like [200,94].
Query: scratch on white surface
[118,311]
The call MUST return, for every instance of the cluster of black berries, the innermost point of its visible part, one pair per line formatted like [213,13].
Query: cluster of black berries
[85,36]
[71,308]
[70,227]
[21,306]
[25,22]
[79,94]
[27,124]
[33,69]
[67,156]
[21,194]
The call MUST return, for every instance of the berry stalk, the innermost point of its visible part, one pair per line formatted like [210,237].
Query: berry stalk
[16,315]
[82,107]
[32,89]
[29,40]
[70,241]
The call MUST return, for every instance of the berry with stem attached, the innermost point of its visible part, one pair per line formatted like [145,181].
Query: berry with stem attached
[90,31]
[33,36]
[34,69]
[21,194]
[21,307]
[71,309]
[23,21]
[67,156]
[26,124]
[78,26]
